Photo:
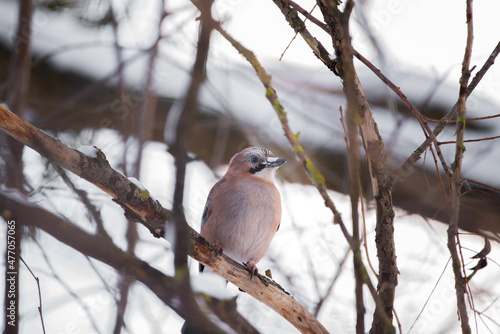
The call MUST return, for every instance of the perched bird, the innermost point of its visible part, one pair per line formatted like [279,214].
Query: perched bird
[243,209]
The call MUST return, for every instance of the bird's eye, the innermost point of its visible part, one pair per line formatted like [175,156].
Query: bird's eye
[254,159]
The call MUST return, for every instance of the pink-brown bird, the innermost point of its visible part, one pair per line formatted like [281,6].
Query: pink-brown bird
[243,209]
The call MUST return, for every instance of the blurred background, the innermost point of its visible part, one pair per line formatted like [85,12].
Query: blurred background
[114,74]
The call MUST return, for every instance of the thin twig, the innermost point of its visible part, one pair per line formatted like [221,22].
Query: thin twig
[332,284]
[39,291]
[430,295]
[72,293]
[294,36]
[84,198]
[486,186]
[299,27]
[468,140]
[454,121]
[308,15]
[438,174]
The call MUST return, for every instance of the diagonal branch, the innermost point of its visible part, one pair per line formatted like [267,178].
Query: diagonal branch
[430,135]
[95,170]
[300,28]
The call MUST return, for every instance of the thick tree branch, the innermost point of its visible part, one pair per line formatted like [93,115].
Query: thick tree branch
[96,170]
[149,212]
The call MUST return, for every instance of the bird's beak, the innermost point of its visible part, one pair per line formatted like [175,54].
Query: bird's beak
[275,162]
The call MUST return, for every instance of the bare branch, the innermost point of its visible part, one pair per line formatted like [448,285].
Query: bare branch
[456,181]
[39,292]
[300,28]
[421,119]
[468,140]
[307,15]
[353,153]
[96,170]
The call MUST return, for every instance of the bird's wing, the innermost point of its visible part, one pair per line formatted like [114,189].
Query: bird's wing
[206,212]
[208,206]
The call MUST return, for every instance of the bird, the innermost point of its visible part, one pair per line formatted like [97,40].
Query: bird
[243,209]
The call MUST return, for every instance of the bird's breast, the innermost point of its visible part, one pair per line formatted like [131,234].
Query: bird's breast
[251,215]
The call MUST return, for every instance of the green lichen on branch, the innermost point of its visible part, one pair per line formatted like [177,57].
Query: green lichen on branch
[314,174]
[296,144]
[273,98]
[359,261]
[144,194]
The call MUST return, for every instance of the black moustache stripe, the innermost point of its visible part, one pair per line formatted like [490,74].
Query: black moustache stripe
[257,168]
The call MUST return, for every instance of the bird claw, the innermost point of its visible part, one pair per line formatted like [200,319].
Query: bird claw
[217,249]
[250,265]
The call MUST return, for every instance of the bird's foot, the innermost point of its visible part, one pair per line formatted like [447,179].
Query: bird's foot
[217,249]
[252,267]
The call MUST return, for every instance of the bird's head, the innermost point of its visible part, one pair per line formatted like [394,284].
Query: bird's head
[256,161]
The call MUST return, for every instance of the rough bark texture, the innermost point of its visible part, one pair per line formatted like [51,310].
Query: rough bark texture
[136,202]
